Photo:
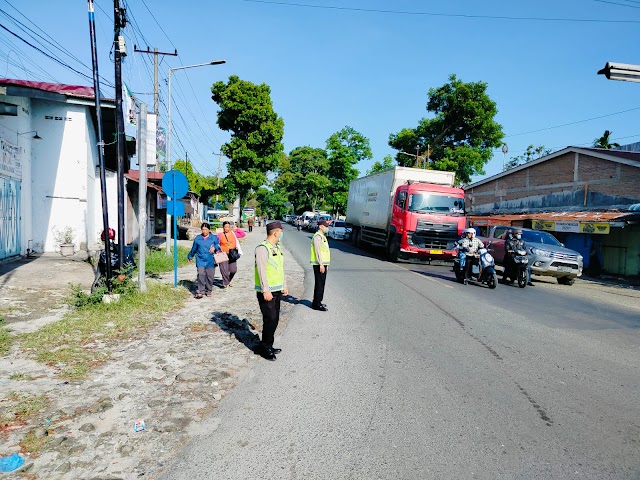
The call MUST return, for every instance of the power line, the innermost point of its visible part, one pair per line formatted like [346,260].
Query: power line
[433,14]
[572,123]
[616,3]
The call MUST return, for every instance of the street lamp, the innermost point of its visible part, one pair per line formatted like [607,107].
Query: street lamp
[621,71]
[35,137]
[214,62]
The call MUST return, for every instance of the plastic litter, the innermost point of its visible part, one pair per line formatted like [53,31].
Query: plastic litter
[138,426]
[11,463]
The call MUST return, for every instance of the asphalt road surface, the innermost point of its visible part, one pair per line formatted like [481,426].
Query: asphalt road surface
[413,376]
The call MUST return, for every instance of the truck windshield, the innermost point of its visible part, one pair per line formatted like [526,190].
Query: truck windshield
[425,203]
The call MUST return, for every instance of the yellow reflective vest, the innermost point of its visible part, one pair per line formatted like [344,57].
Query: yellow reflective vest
[275,268]
[324,250]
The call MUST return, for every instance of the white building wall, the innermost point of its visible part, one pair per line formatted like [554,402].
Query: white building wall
[10,128]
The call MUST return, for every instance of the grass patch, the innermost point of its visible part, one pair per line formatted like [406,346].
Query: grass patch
[157,261]
[5,338]
[17,376]
[80,340]
[18,408]
[31,443]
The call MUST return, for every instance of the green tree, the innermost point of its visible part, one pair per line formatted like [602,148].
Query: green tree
[532,153]
[255,148]
[344,150]
[387,163]
[303,176]
[460,136]
[605,141]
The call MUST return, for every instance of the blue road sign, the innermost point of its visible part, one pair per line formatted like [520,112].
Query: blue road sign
[175,184]
[176,207]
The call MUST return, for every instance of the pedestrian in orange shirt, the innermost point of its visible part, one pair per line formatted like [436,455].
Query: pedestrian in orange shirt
[230,245]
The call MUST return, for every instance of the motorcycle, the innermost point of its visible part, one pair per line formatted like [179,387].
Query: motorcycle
[517,269]
[483,268]
[129,263]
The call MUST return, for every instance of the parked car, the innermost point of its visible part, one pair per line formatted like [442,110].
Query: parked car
[547,256]
[339,230]
[313,223]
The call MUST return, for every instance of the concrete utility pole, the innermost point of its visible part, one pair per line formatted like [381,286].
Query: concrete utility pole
[119,21]
[142,197]
[156,89]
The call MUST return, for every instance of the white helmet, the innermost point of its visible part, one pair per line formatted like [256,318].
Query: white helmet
[472,231]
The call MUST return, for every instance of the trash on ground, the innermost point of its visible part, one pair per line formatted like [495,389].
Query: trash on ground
[138,426]
[11,463]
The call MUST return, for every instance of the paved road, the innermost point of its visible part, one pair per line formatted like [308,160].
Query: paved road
[412,376]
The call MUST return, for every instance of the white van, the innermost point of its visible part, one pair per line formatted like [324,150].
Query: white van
[306,217]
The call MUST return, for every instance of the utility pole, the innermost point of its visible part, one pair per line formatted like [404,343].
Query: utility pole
[103,174]
[119,21]
[156,101]
[142,197]
[218,177]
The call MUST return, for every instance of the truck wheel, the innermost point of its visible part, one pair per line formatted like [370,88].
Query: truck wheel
[394,249]
[357,238]
[566,280]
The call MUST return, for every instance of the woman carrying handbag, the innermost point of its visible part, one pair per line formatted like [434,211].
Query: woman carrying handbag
[230,245]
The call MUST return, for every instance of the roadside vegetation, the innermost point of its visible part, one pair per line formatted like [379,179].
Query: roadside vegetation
[158,261]
[5,337]
[82,339]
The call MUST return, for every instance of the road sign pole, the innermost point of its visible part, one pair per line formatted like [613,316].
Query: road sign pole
[175,238]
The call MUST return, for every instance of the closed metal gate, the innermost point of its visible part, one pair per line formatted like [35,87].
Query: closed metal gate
[9,217]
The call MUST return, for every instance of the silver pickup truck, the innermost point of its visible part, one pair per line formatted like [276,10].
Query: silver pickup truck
[547,256]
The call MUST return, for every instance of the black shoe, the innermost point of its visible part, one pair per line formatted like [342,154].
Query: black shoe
[265,353]
[531,284]
[275,351]
[320,308]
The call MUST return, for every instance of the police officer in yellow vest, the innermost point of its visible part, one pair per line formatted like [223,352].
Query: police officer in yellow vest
[320,259]
[270,286]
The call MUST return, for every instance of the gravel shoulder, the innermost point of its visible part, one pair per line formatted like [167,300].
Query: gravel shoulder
[172,378]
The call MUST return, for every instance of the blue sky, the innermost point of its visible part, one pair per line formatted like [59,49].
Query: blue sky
[331,67]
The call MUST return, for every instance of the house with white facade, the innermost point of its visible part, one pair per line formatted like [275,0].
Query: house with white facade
[49,166]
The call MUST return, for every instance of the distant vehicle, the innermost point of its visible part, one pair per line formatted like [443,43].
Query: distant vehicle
[547,256]
[313,223]
[339,230]
[410,212]
[306,217]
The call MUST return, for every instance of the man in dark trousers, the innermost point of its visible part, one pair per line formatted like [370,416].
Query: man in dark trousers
[270,286]
[320,259]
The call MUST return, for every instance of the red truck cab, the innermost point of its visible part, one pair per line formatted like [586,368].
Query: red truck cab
[428,220]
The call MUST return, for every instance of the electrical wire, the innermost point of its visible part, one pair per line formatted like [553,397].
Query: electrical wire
[433,14]
[572,123]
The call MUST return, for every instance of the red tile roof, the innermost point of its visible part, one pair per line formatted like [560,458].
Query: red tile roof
[69,90]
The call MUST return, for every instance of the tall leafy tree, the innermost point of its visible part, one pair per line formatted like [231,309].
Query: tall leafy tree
[304,176]
[255,148]
[460,136]
[386,164]
[532,153]
[605,141]
[345,149]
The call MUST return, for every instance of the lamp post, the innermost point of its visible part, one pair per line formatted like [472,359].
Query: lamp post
[169,164]
[621,71]
[35,137]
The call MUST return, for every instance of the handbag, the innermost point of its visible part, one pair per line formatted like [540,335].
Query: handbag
[220,257]
[234,255]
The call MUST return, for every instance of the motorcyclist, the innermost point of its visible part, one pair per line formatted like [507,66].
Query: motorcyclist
[469,246]
[512,245]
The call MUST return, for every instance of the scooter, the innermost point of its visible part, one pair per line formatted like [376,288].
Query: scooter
[483,268]
[517,270]
[129,263]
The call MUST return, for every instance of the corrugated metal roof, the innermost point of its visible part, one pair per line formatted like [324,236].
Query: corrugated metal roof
[561,216]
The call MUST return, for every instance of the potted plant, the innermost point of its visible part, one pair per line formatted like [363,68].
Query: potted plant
[64,238]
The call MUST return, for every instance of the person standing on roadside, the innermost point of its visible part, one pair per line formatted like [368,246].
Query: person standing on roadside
[320,257]
[250,224]
[270,285]
[228,242]
[204,246]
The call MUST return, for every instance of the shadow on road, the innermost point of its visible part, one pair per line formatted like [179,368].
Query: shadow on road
[242,329]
